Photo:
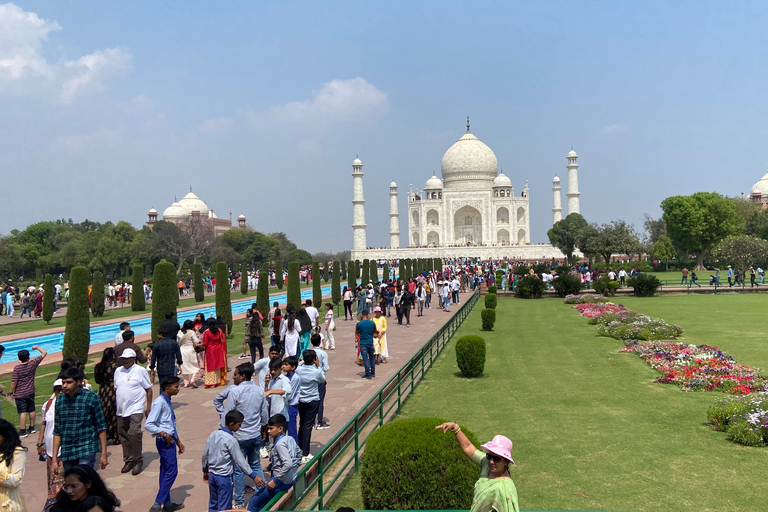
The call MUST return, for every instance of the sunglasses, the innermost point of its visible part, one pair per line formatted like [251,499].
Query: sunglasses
[494,458]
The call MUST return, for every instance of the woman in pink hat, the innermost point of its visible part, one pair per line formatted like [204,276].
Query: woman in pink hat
[495,489]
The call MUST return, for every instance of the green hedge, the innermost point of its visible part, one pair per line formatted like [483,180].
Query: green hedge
[470,355]
[317,291]
[223,296]
[365,274]
[529,287]
[408,465]
[137,290]
[645,285]
[336,283]
[262,290]
[243,279]
[567,284]
[279,274]
[97,295]
[48,298]
[493,289]
[490,301]
[488,317]
[351,280]
[199,282]
[77,334]
[293,295]
[165,293]
[385,273]
[343,269]
[374,271]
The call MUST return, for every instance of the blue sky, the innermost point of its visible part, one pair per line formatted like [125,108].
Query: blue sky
[110,108]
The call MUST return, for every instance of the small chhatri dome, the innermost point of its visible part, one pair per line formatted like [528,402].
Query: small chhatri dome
[761,187]
[357,161]
[555,179]
[433,183]
[152,211]
[502,180]
[572,154]
[393,185]
[241,217]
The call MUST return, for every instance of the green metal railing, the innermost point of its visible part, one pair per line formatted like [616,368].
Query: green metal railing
[320,479]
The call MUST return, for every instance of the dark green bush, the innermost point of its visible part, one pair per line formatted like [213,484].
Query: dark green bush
[725,408]
[165,293]
[336,283]
[223,296]
[293,295]
[351,279]
[645,285]
[365,275]
[327,271]
[408,465]
[488,317]
[343,269]
[529,287]
[317,291]
[97,295]
[522,270]
[438,264]
[567,284]
[279,274]
[137,291]
[605,287]
[262,290]
[374,271]
[493,289]
[243,279]
[199,282]
[470,355]
[490,301]
[385,273]
[77,334]
[48,298]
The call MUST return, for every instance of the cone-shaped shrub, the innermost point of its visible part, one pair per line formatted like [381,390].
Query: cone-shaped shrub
[165,293]
[243,279]
[357,269]
[488,317]
[351,281]
[279,274]
[48,298]
[438,264]
[426,468]
[262,291]
[470,355]
[97,295]
[374,269]
[199,283]
[365,275]
[327,271]
[385,273]
[137,290]
[492,289]
[336,283]
[293,295]
[317,293]
[77,334]
[343,270]
[490,301]
[223,297]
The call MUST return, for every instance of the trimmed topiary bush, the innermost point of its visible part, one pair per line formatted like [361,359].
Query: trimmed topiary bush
[243,279]
[645,285]
[165,293]
[385,273]
[567,284]
[490,301]
[97,295]
[137,290]
[317,292]
[374,271]
[279,274]
[223,296]
[199,283]
[351,280]
[262,290]
[327,271]
[493,289]
[343,269]
[336,283]
[293,295]
[77,334]
[470,355]
[529,287]
[488,317]
[365,275]
[408,465]
[48,298]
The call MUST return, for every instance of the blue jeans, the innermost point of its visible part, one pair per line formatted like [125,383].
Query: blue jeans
[250,449]
[219,492]
[293,414]
[264,496]
[366,354]
[88,460]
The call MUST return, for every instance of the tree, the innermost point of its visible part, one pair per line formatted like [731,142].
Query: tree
[755,217]
[77,334]
[385,273]
[165,294]
[317,292]
[300,256]
[223,298]
[198,282]
[351,281]
[97,295]
[293,295]
[564,234]
[742,250]
[244,279]
[137,293]
[696,223]
[374,270]
[279,274]
[262,290]
[365,276]
[327,271]
[48,299]
[654,229]
[336,283]
[663,250]
[343,269]
[608,239]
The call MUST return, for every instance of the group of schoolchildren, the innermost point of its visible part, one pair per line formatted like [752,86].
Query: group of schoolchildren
[292,393]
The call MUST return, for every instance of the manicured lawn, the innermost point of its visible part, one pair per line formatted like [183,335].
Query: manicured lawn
[591,428]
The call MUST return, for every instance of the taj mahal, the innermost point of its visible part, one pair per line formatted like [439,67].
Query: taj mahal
[471,210]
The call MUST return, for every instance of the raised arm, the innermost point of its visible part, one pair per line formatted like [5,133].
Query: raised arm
[466,445]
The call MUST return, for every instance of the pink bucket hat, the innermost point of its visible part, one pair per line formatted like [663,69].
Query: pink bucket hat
[377,309]
[500,446]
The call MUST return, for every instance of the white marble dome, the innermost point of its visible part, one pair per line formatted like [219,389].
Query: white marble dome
[357,161]
[152,211]
[468,160]
[393,185]
[572,154]
[502,180]
[433,183]
[760,187]
[175,211]
[191,203]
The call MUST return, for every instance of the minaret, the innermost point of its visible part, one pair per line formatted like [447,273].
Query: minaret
[573,182]
[358,207]
[557,209]
[394,218]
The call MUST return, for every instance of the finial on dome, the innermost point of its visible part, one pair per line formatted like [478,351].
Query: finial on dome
[190,188]
[467,124]
[175,200]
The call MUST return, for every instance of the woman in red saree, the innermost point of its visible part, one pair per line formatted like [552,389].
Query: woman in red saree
[215,356]
[39,304]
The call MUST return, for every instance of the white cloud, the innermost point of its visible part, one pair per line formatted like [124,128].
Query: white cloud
[614,128]
[21,39]
[102,138]
[90,73]
[353,100]
[215,125]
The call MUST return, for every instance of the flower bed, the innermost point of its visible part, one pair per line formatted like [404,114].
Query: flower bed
[638,327]
[744,419]
[597,309]
[585,298]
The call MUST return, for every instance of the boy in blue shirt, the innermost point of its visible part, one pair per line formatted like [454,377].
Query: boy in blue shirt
[285,459]
[311,376]
[221,453]
[289,369]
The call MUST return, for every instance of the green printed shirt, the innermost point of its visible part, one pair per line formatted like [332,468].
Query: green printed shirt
[78,422]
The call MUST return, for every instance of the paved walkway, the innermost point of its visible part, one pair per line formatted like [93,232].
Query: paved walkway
[196,417]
